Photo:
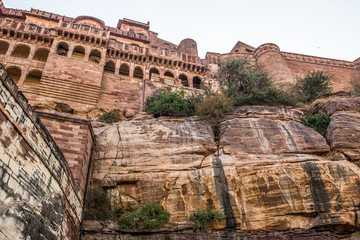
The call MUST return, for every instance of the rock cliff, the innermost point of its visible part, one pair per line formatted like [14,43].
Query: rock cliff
[272,176]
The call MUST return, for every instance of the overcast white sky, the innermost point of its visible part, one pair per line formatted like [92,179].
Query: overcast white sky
[325,28]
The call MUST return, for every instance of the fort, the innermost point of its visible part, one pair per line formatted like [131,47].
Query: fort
[83,62]
[46,157]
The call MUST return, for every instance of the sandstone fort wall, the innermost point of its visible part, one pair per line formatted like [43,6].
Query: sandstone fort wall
[38,192]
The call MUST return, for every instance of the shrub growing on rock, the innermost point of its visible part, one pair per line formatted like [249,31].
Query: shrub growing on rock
[213,108]
[314,85]
[168,103]
[109,118]
[203,218]
[247,84]
[319,122]
[356,86]
[148,216]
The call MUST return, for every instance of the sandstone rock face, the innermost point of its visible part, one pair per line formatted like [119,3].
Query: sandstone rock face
[343,133]
[270,173]
[165,161]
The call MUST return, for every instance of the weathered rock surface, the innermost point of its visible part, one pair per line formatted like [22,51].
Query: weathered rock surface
[343,133]
[156,160]
[270,174]
[338,105]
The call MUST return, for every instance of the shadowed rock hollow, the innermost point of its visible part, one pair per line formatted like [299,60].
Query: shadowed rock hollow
[271,173]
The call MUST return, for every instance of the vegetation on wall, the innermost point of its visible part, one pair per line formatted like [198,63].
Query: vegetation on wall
[243,83]
[319,122]
[314,85]
[213,108]
[109,118]
[355,83]
[247,84]
[168,103]
[148,216]
[204,218]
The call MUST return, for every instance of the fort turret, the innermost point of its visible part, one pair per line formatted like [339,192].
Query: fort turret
[269,57]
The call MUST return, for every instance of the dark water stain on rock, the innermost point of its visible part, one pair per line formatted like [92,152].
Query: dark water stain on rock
[317,187]
[222,191]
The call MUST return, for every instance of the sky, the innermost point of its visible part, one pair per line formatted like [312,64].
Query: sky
[324,28]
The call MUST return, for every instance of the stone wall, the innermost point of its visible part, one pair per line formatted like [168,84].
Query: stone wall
[75,139]
[38,195]
[120,92]
[342,71]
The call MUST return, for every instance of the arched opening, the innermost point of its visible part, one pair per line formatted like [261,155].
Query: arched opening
[169,75]
[184,80]
[21,51]
[138,73]
[62,49]
[154,74]
[169,78]
[41,54]
[4,46]
[33,79]
[197,82]
[14,73]
[79,52]
[95,56]
[124,70]
[109,67]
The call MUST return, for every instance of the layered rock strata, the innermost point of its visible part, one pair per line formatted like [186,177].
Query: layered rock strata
[270,173]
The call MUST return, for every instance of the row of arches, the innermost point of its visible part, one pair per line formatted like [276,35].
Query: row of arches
[78,52]
[154,74]
[32,78]
[23,51]
[124,70]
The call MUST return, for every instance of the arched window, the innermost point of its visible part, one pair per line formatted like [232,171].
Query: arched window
[33,79]
[41,54]
[14,73]
[21,51]
[62,49]
[154,74]
[169,75]
[95,56]
[184,80]
[124,70]
[4,46]
[79,52]
[197,82]
[109,67]
[138,73]
[169,78]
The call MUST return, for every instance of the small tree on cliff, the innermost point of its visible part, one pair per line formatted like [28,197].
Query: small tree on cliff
[247,84]
[312,86]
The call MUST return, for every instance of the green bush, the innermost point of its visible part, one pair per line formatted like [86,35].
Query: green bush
[356,86]
[319,122]
[247,84]
[168,103]
[213,108]
[203,218]
[314,85]
[109,118]
[148,216]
